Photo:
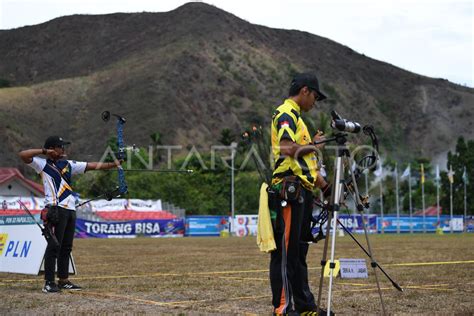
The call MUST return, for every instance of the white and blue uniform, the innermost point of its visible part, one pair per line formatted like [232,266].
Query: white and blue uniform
[56,177]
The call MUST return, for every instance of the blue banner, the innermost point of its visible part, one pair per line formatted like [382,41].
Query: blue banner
[354,223]
[416,224]
[206,225]
[130,229]
[469,224]
[19,220]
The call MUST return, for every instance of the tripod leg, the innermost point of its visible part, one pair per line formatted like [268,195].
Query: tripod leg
[373,263]
[332,265]
[395,284]
[323,259]
[336,202]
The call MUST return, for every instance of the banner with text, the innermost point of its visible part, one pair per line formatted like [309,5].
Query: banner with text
[390,224]
[206,225]
[37,203]
[469,224]
[353,223]
[130,229]
[144,205]
[245,225]
[126,204]
[11,203]
[21,245]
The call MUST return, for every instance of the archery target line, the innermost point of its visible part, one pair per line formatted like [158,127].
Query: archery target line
[5,282]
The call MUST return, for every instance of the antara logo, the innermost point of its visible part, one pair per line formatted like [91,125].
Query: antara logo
[15,248]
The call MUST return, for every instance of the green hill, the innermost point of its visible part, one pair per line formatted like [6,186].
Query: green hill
[193,71]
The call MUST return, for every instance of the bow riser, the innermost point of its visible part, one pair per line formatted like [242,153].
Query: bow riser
[122,188]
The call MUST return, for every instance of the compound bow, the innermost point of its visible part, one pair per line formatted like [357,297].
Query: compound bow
[122,188]
[120,155]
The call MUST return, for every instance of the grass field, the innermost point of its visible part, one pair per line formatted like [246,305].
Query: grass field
[229,276]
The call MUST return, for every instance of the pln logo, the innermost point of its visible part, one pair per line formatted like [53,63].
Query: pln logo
[14,248]
[3,241]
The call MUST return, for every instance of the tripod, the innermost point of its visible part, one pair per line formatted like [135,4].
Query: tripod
[339,190]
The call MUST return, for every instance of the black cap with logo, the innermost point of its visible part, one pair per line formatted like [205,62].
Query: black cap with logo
[309,80]
[55,141]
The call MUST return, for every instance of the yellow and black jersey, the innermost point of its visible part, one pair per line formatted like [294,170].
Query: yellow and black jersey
[288,124]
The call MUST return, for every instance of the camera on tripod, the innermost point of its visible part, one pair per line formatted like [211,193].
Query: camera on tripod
[344,125]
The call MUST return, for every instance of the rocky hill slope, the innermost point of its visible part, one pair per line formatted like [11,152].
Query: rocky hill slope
[193,71]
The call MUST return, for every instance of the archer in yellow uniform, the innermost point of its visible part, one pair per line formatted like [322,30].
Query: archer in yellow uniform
[294,177]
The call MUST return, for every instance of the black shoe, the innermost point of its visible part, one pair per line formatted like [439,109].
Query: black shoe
[68,285]
[50,287]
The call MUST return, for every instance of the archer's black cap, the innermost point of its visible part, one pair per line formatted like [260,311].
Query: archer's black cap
[55,141]
[309,80]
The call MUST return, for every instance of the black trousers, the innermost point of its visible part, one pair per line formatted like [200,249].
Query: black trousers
[288,268]
[64,231]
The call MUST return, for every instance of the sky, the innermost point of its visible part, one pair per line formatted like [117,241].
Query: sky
[429,37]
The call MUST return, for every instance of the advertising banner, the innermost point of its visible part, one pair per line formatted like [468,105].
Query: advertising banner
[21,245]
[245,225]
[144,205]
[390,224]
[246,220]
[130,229]
[243,231]
[104,205]
[206,225]
[354,223]
[469,224]
[11,203]
[126,204]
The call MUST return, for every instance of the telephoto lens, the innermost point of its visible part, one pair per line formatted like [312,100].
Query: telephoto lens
[346,126]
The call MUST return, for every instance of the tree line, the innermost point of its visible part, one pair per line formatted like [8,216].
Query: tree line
[207,191]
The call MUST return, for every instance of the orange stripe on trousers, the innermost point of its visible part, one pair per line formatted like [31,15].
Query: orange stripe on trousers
[287,221]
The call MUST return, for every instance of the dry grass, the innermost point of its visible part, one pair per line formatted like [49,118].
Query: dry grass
[215,276]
